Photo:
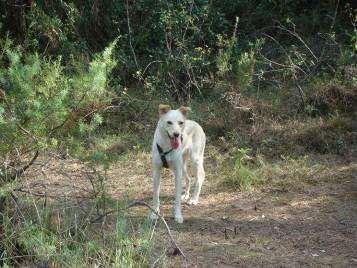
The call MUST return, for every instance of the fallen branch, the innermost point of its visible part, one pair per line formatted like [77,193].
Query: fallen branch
[144,204]
[20,171]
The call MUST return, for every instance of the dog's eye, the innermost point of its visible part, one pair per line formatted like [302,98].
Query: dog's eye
[180,123]
[169,122]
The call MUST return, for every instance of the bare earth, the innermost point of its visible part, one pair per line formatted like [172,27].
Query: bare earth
[303,225]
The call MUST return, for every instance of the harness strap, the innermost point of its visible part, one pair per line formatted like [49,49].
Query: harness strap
[163,155]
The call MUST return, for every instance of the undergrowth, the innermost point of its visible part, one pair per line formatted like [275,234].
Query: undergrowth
[52,234]
[287,174]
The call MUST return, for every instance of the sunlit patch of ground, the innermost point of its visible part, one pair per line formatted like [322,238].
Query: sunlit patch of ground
[288,221]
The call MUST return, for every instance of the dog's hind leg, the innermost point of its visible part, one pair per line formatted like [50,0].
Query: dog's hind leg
[197,163]
[156,194]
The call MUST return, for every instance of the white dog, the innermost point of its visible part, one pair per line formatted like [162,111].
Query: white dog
[177,139]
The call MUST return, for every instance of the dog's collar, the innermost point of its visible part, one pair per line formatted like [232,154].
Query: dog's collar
[163,155]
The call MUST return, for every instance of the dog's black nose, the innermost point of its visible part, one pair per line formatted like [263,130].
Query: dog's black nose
[176,134]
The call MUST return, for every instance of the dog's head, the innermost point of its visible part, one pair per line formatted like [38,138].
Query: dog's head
[173,123]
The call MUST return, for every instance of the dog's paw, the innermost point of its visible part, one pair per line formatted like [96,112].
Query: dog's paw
[179,218]
[193,201]
[153,216]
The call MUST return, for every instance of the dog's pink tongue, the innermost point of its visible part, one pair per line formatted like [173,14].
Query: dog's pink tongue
[175,143]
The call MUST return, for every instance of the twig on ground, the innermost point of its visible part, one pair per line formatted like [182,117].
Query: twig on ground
[157,260]
[20,171]
[144,204]
[153,230]
[23,169]
[44,194]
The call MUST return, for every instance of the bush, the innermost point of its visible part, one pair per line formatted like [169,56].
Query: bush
[42,105]
[242,177]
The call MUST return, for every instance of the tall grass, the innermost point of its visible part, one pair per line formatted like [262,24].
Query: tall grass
[63,235]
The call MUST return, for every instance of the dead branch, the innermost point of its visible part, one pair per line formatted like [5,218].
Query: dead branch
[293,33]
[144,204]
[130,33]
[20,171]
[103,109]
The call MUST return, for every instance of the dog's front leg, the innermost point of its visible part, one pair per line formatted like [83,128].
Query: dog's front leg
[156,191]
[178,191]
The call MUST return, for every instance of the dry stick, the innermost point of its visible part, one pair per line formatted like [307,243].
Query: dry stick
[299,38]
[142,203]
[334,18]
[52,131]
[44,194]
[173,83]
[153,230]
[292,66]
[157,260]
[300,90]
[20,171]
[147,66]
[102,109]
[129,31]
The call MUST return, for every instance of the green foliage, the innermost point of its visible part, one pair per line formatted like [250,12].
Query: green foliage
[176,48]
[224,55]
[43,105]
[66,237]
[242,177]
[37,240]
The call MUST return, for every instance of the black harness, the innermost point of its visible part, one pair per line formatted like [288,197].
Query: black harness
[163,154]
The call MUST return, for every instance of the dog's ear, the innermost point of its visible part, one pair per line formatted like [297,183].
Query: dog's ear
[164,108]
[184,110]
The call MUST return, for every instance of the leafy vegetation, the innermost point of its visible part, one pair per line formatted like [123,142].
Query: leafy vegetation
[269,81]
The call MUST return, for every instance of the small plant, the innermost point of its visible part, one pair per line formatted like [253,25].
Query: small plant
[242,177]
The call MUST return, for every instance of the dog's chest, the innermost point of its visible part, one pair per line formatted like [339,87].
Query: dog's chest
[173,157]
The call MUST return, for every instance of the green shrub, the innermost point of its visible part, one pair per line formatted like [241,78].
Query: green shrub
[242,177]
[43,106]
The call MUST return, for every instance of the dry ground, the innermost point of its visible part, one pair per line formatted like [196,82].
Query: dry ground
[306,218]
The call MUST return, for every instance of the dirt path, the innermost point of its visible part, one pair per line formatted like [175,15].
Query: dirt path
[310,226]
[314,225]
